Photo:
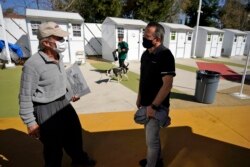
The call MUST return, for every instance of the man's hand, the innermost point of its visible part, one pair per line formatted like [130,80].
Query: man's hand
[150,112]
[75,98]
[33,131]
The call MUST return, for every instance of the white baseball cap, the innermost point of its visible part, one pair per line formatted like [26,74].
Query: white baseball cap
[47,29]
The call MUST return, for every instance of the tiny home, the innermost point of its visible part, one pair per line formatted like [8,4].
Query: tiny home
[234,42]
[16,31]
[70,22]
[93,39]
[209,42]
[178,38]
[247,46]
[131,29]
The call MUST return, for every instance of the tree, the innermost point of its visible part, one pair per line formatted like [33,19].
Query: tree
[210,12]
[150,10]
[9,10]
[97,11]
[62,5]
[235,15]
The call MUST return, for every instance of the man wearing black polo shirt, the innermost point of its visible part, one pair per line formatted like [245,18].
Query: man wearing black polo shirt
[156,78]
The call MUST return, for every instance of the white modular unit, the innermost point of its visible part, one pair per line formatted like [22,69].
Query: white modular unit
[209,42]
[16,32]
[93,38]
[234,42]
[131,29]
[247,46]
[178,38]
[70,22]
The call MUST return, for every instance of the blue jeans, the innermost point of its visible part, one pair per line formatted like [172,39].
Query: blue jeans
[152,129]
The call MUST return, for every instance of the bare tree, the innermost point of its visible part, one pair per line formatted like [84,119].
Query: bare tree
[235,15]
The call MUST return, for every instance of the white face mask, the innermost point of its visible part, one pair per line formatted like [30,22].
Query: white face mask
[60,46]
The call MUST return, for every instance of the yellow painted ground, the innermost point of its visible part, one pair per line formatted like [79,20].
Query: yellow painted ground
[197,137]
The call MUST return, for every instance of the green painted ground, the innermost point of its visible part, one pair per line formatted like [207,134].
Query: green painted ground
[9,90]
[133,82]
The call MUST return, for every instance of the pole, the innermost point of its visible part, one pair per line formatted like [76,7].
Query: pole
[9,64]
[239,94]
[244,74]
[197,28]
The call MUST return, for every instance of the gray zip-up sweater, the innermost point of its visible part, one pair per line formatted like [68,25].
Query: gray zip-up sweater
[42,81]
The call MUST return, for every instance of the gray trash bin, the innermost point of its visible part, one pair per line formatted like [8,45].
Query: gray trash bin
[206,86]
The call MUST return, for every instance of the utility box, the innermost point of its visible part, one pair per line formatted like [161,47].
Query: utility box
[80,58]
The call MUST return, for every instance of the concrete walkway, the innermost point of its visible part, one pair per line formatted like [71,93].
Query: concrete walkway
[105,96]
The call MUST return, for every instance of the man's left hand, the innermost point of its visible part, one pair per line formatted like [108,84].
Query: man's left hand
[150,112]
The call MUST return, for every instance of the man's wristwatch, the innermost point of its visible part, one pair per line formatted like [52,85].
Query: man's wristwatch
[155,107]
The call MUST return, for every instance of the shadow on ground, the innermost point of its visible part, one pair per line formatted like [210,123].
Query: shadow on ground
[100,71]
[181,148]
[236,78]
[182,96]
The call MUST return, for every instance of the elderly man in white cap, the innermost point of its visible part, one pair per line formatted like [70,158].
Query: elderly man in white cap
[45,100]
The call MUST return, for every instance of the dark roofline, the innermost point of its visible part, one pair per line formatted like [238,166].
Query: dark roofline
[13,15]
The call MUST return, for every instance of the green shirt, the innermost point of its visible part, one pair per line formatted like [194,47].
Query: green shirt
[122,54]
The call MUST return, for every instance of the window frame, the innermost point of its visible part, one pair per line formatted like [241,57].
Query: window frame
[34,27]
[173,35]
[120,31]
[209,37]
[77,30]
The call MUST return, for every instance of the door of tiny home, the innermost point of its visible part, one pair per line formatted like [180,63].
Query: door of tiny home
[208,45]
[219,45]
[180,44]
[133,43]
[239,43]
[243,45]
[188,45]
[214,45]
[66,53]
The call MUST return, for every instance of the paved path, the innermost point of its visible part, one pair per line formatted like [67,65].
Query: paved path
[105,96]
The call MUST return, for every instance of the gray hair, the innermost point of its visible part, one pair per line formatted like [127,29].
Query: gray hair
[159,30]
[40,45]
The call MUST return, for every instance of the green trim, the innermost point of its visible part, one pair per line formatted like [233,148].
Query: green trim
[186,68]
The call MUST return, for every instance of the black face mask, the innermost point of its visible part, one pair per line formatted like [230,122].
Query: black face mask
[147,43]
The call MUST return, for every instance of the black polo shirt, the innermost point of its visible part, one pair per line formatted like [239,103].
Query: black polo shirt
[153,67]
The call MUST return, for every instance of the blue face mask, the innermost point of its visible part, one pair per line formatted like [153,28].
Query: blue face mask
[147,43]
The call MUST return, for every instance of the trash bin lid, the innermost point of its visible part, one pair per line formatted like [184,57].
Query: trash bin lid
[208,73]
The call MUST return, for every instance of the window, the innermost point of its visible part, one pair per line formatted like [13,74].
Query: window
[76,30]
[120,31]
[221,37]
[235,38]
[208,37]
[244,38]
[34,26]
[189,34]
[173,35]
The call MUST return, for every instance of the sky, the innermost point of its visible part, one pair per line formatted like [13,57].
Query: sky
[19,5]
